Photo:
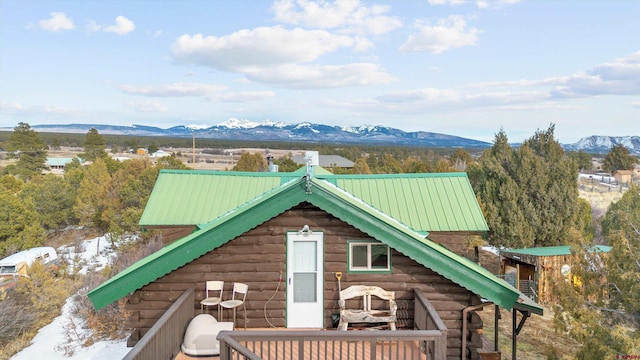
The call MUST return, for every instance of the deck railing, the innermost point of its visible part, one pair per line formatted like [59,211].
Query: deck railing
[328,345]
[163,340]
[426,318]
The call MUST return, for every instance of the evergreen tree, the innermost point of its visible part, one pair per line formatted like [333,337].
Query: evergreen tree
[618,158]
[460,160]
[169,162]
[529,194]
[286,164]
[30,149]
[602,308]
[53,199]
[89,203]
[94,146]
[582,159]
[251,162]
[127,193]
[361,166]
[19,225]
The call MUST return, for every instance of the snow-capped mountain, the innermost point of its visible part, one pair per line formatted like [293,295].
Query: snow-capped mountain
[602,144]
[242,129]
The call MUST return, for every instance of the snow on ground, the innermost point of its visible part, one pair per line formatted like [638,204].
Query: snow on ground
[51,340]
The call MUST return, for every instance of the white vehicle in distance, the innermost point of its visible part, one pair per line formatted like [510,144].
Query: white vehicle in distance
[18,264]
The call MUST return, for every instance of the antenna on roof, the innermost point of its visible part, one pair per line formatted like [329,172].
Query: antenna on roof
[311,159]
[272,167]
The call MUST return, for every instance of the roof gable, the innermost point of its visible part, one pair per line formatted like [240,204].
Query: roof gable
[327,197]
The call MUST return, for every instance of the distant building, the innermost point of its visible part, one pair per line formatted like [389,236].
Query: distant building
[623,177]
[327,161]
[59,163]
[159,154]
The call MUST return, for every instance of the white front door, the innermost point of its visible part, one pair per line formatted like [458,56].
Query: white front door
[304,280]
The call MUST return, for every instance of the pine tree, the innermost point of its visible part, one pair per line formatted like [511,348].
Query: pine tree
[529,194]
[94,146]
[92,191]
[618,158]
[30,149]
[19,225]
[53,199]
[602,309]
[251,162]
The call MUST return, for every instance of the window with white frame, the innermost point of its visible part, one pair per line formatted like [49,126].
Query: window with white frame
[369,256]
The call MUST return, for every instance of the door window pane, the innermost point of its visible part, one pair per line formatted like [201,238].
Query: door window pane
[304,285]
[305,256]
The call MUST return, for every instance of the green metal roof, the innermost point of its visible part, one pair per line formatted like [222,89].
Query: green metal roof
[553,250]
[424,202]
[329,198]
[183,197]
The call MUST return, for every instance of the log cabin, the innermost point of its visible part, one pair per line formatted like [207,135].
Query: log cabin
[288,236]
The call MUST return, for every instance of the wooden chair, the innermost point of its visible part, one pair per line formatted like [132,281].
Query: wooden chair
[213,295]
[367,314]
[237,298]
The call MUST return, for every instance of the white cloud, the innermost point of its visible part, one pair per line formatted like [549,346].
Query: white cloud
[122,26]
[245,96]
[147,106]
[92,26]
[446,34]
[636,104]
[173,90]
[206,91]
[494,4]
[447,2]
[321,76]
[58,21]
[482,4]
[348,16]
[263,46]
[620,77]
[17,109]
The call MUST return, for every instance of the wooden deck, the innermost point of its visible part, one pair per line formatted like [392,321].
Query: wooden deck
[288,350]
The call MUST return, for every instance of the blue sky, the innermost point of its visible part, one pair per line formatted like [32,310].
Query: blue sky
[459,67]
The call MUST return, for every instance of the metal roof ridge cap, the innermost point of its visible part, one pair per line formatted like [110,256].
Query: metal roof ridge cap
[403,175]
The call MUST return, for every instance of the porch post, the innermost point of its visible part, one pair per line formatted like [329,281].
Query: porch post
[496,312]
[513,335]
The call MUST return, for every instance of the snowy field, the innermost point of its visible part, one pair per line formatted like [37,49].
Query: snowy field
[51,339]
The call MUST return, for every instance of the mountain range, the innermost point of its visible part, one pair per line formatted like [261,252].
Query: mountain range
[237,129]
